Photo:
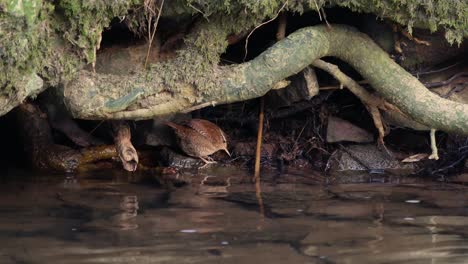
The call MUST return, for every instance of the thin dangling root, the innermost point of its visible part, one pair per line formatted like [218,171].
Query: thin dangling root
[435,152]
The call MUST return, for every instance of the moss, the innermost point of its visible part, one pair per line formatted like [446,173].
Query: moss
[21,35]
[83,21]
[56,38]
[451,16]
[195,63]
[53,40]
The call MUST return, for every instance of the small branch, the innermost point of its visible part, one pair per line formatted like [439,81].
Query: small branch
[259,141]
[258,194]
[152,34]
[372,102]
[199,11]
[325,17]
[318,10]
[200,106]
[448,81]
[352,85]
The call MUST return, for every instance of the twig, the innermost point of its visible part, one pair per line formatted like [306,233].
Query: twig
[200,106]
[152,34]
[448,81]
[436,70]
[266,22]
[325,17]
[258,190]
[94,129]
[318,10]
[259,141]
[199,11]
[371,101]
[258,194]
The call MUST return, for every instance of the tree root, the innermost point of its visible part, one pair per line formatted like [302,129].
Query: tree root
[45,154]
[122,138]
[435,153]
[86,97]
[372,102]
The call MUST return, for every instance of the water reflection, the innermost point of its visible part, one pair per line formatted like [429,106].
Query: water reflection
[216,219]
[126,220]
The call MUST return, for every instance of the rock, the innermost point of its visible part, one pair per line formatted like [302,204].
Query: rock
[341,130]
[248,149]
[363,160]
[169,158]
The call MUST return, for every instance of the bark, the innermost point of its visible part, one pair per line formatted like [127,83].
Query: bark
[145,95]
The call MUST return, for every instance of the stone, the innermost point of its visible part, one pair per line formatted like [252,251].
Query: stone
[169,158]
[359,160]
[248,149]
[339,130]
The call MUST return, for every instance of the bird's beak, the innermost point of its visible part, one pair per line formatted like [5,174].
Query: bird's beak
[227,151]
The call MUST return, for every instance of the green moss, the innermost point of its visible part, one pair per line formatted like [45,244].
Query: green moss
[195,63]
[207,41]
[56,38]
[53,39]
[451,16]
[83,21]
[28,9]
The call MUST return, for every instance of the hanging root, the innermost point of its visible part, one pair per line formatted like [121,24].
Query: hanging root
[435,152]
[372,102]
[127,153]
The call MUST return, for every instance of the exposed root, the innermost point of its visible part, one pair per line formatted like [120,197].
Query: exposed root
[415,39]
[435,152]
[45,154]
[372,102]
[377,118]
[127,153]
[71,129]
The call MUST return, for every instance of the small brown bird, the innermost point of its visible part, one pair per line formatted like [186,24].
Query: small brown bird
[200,138]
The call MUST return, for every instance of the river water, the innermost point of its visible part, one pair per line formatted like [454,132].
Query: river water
[114,217]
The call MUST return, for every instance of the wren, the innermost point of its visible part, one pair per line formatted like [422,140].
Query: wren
[200,138]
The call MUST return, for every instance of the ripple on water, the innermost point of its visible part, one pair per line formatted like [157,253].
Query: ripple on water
[113,220]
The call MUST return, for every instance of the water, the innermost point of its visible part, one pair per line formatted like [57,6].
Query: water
[119,218]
